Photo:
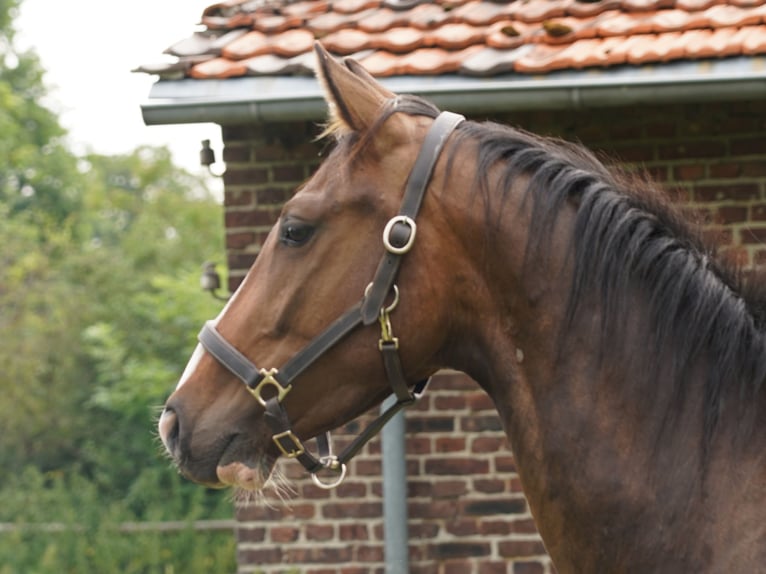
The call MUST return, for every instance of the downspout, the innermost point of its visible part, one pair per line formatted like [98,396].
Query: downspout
[395,531]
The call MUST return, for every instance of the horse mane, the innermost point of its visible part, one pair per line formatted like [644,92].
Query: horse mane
[699,304]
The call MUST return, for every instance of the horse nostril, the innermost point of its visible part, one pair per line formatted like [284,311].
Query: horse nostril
[168,428]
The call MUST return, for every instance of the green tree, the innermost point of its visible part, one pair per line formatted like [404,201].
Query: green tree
[99,300]
[99,307]
[36,170]
[98,318]
[101,313]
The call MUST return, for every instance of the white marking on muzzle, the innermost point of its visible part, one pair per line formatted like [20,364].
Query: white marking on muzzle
[191,366]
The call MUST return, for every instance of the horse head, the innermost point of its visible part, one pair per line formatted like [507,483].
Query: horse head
[334,253]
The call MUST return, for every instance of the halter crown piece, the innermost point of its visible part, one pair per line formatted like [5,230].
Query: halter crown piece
[398,239]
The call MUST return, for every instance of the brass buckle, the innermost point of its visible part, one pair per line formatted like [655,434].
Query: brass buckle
[268,379]
[297,445]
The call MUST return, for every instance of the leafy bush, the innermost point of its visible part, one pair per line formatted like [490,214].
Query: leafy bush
[63,525]
[99,307]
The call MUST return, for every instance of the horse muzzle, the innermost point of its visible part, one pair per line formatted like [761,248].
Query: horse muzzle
[230,458]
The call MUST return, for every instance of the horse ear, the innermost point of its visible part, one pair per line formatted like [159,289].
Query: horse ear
[355,98]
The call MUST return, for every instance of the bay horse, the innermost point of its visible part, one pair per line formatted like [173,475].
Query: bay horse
[625,359]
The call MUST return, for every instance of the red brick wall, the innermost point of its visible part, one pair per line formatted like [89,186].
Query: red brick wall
[264,165]
[467,514]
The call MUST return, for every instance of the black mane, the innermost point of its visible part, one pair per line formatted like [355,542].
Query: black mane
[699,305]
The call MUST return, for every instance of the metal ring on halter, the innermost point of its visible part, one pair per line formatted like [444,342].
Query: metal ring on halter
[334,483]
[409,222]
[393,304]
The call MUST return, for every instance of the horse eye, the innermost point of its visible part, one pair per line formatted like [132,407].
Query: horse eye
[295,233]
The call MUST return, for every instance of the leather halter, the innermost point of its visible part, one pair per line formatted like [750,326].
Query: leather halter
[398,238]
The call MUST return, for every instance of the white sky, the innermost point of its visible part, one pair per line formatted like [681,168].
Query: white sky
[89,47]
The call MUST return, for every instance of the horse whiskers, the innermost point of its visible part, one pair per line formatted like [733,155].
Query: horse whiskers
[162,450]
[279,486]
[276,491]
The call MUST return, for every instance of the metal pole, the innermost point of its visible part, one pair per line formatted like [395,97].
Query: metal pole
[395,493]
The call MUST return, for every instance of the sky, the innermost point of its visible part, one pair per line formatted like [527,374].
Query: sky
[89,47]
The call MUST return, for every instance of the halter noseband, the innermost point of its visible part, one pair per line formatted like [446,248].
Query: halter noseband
[398,238]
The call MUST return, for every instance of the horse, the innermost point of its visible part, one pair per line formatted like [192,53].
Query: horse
[625,358]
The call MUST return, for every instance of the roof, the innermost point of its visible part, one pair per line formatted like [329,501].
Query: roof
[509,43]
[470,37]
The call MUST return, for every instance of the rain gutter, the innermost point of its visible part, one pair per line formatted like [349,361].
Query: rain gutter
[292,98]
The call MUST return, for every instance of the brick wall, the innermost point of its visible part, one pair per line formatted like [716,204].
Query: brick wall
[467,513]
[264,165]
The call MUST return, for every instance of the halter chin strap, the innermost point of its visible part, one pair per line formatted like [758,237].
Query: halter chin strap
[398,239]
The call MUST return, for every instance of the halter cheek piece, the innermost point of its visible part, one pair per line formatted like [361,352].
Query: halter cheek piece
[398,239]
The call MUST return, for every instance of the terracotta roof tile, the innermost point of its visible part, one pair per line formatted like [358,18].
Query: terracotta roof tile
[253,43]
[268,65]
[507,34]
[584,9]
[218,68]
[473,37]
[647,5]
[304,9]
[200,43]
[723,16]
[401,39]
[568,29]
[725,42]
[348,41]
[223,22]
[694,5]
[381,20]
[624,24]
[621,51]
[541,58]
[382,64]
[292,43]
[491,61]
[656,47]
[536,10]
[674,19]
[456,36]
[428,16]
[275,23]
[333,21]
[353,6]
[754,40]
[595,52]
[481,13]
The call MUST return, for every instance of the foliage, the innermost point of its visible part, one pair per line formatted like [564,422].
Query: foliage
[86,537]
[99,307]
[104,310]
[36,169]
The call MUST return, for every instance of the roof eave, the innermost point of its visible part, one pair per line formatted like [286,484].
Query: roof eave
[266,99]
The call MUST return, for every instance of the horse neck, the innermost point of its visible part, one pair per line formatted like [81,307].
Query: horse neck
[593,450]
